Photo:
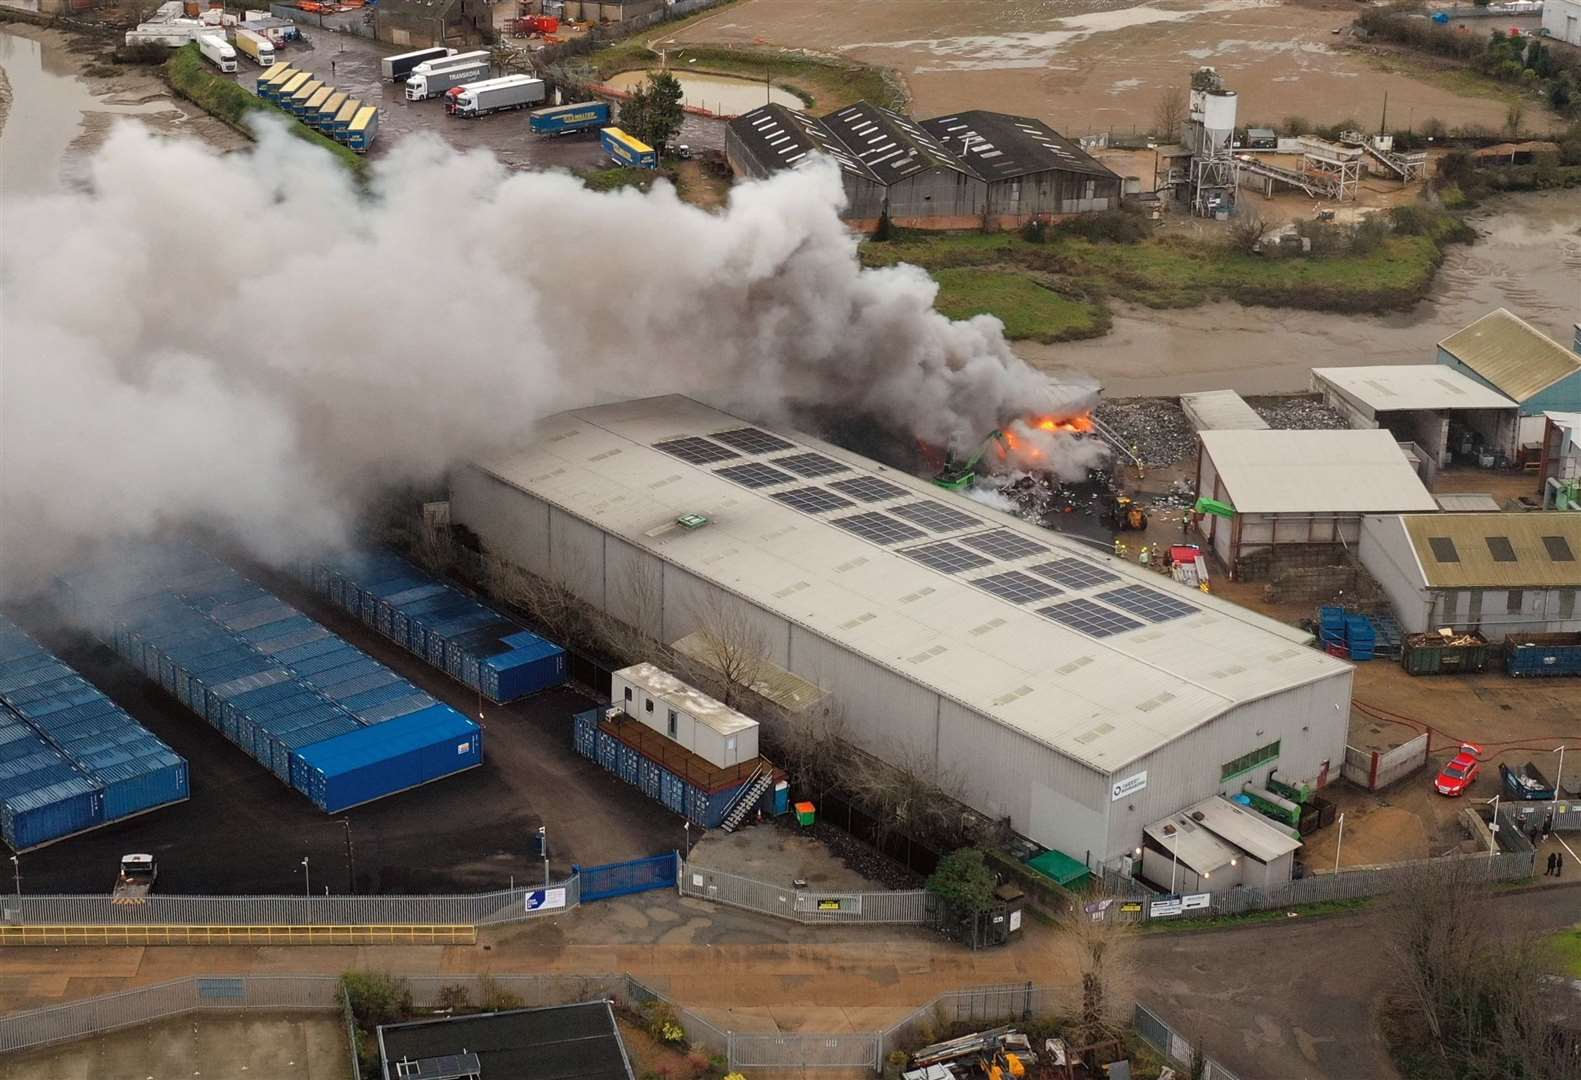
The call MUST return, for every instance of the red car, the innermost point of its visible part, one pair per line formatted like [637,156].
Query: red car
[1457,776]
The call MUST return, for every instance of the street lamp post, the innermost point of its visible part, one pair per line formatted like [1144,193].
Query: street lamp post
[1559,779]
[16,874]
[688,827]
[1493,829]
[1174,859]
[307,892]
[351,877]
[543,849]
[1339,842]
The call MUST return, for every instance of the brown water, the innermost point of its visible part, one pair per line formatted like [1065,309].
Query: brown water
[1528,259]
[722,95]
[48,101]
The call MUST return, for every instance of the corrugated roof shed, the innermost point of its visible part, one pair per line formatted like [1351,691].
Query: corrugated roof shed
[1193,845]
[1497,551]
[1393,387]
[1220,410]
[999,146]
[893,147]
[1246,829]
[977,605]
[782,138]
[1512,354]
[1315,472]
[1466,502]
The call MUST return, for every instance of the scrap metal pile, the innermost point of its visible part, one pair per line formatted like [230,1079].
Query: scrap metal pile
[1301,414]
[1003,1053]
[1155,429]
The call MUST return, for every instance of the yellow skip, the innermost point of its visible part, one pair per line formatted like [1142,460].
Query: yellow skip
[60,934]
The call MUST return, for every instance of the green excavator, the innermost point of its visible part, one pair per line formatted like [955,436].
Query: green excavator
[958,475]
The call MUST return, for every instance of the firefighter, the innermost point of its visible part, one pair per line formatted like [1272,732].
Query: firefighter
[1142,555]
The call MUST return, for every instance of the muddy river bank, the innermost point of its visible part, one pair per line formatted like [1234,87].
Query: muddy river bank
[1527,258]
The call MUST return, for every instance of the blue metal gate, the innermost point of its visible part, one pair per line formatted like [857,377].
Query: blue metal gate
[622,879]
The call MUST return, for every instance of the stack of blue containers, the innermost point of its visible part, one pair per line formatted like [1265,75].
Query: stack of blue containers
[274,682]
[1360,637]
[70,758]
[472,643]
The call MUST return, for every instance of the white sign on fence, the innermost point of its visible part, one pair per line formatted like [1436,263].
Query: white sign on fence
[545,899]
[1196,901]
[1163,909]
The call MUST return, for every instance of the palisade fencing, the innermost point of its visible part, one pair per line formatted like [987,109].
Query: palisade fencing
[911,907]
[1163,1038]
[979,1006]
[481,909]
[699,1032]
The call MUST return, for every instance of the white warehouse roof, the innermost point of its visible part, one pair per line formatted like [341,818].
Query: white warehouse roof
[1220,410]
[1389,388]
[1315,472]
[1094,657]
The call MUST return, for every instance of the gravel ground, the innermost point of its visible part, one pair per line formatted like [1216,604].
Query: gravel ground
[1300,414]
[1154,428]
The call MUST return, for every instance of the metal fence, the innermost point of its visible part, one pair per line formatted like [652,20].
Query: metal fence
[1163,1038]
[912,907]
[982,1006]
[699,1032]
[1566,813]
[482,909]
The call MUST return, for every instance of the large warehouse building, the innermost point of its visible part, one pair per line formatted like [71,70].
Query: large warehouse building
[1077,695]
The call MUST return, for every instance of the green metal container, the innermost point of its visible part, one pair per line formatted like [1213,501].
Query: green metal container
[1421,656]
[805,814]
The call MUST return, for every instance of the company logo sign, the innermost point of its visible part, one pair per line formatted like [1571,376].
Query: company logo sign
[1129,786]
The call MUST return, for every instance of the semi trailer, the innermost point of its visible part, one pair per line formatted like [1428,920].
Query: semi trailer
[256,47]
[395,68]
[217,51]
[422,85]
[362,129]
[627,150]
[494,95]
[565,119]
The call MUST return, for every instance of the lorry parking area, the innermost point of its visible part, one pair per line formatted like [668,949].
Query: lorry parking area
[352,64]
[243,832]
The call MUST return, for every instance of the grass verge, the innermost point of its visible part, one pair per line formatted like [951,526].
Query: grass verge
[1030,309]
[1567,944]
[1176,272]
[822,83]
[189,75]
[1225,922]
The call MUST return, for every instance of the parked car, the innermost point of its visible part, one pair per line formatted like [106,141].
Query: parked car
[1455,777]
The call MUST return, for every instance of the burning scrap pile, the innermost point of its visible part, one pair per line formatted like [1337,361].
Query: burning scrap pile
[1301,414]
[1154,429]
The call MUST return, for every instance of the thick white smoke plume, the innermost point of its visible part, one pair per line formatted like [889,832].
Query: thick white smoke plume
[250,342]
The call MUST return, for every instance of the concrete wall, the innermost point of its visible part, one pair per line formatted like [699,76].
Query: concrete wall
[1055,800]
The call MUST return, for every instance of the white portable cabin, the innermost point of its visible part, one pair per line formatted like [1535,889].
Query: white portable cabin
[708,728]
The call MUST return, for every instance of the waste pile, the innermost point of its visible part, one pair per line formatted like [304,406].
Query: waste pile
[1155,429]
[1301,414]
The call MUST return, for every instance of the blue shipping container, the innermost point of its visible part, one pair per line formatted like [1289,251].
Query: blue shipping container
[371,763]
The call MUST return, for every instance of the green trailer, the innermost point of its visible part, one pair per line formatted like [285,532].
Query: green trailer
[1433,654]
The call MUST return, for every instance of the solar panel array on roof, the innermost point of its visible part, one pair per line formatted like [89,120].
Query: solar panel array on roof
[271,680]
[868,488]
[1149,604]
[810,464]
[1077,573]
[813,500]
[754,474]
[1004,544]
[946,556]
[695,449]
[1016,587]
[752,440]
[1091,619]
[72,759]
[879,528]
[935,516]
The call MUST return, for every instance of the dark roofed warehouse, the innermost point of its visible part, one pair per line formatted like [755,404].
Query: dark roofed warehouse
[563,1042]
[953,172]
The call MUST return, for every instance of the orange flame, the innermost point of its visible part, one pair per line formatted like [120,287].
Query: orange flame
[1078,424]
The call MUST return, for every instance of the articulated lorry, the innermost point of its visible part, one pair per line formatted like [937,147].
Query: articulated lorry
[564,119]
[395,68]
[627,150]
[256,47]
[494,95]
[218,52]
[423,84]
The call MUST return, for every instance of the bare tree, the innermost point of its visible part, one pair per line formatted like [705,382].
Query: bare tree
[1101,947]
[1169,112]
[1246,231]
[732,645]
[810,742]
[1513,116]
[550,602]
[434,546]
[908,792]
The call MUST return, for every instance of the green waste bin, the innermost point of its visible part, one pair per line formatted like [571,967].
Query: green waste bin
[805,813]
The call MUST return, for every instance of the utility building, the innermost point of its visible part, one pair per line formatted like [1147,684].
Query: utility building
[1074,694]
[1029,168]
[1521,362]
[1216,845]
[1423,404]
[773,138]
[1497,573]
[1299,494]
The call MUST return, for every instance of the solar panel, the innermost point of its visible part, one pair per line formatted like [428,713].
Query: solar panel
[1089,618]
[810,464]
[812,500]
[879,528]
[945,556]
[1077,573]
[1004,544]
[868,488]
[752,440]
[754,474]
[935,517]
[1017,587]
[698,451]
[1149,604]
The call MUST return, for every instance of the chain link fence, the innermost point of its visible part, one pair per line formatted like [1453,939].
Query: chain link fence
[482,909]
[913,907]
[1174,1047]
[982,1006]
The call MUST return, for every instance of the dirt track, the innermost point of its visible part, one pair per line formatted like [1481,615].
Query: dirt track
[1096,65]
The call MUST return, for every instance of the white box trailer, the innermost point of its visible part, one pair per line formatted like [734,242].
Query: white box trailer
[172,34]
[217,51]
[398,67]
[422,85]
[495,95]
[256,47]
[456,59]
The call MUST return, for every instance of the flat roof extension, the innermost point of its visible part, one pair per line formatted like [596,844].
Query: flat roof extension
[1315,472]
